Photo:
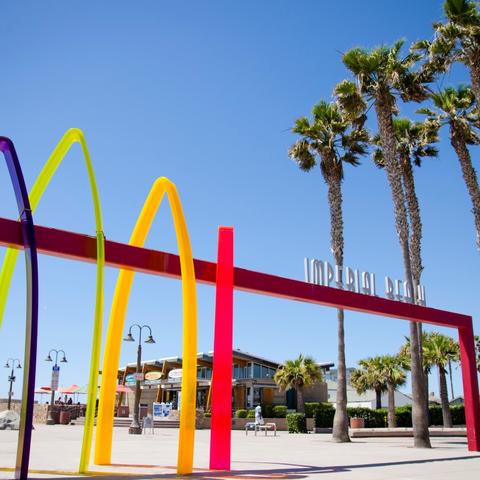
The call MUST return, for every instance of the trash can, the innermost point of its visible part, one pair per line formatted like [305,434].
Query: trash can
[64,417]
[123,411]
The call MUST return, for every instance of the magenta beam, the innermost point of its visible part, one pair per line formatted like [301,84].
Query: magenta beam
[222,355]
[470,386]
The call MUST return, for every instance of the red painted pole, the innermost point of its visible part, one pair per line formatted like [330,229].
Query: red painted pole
[222,355]
[470,386]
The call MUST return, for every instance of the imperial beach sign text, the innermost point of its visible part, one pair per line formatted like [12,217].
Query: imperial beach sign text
[323,273]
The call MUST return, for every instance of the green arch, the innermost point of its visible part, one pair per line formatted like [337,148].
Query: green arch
[73,135]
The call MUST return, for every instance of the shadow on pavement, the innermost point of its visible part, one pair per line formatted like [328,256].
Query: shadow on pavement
[285,471]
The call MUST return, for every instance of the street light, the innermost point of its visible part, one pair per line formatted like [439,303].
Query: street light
[54,380]
[11,378]
[135,427]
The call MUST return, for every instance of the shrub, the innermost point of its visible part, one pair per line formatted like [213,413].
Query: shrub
[241,414]
[435,415]
[208,414]
[310,409]
[458,414]
[297,423]
[324,415]
[403,416]
[251,414]
[279,411]
[267,411]
[373,418]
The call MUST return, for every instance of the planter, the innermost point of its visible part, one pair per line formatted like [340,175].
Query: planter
[357,422]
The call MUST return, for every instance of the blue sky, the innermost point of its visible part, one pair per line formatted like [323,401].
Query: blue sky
[205,93]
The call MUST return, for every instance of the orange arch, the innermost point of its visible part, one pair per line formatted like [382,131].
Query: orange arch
[103,441]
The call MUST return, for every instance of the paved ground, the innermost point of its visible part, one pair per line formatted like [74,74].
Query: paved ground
[282,457]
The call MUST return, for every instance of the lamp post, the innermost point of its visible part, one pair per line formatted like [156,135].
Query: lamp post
[135,427]
[11,377]
[54,380]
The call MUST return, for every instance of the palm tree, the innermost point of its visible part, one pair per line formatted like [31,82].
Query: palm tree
[330,141]
[405,355]
[369,377]
[299,373]
[456,40]
[382,75]
[456,107]
[439,350]
[414,143]
[392,370]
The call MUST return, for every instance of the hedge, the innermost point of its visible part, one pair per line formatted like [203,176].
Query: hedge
[297,423]
[311,408]
[324,415]
[241,414]
[279,411]
[251,414]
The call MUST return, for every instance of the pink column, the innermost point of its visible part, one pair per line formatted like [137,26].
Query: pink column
[222,355]
[470,386]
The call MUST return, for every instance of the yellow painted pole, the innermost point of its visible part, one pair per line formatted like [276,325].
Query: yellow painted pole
[103,441]
[74,135]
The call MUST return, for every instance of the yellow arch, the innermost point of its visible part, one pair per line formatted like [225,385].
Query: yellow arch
[73,135]
[103,440]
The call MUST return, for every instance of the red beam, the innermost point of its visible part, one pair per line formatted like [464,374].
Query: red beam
[81,247]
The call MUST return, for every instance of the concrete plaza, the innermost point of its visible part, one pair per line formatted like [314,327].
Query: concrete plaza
[57,448]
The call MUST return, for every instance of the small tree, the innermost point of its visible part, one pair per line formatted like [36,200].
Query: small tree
[438,350]
[369,377]
[299,373]
[392,371]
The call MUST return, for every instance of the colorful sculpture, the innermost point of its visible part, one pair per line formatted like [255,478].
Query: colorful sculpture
[31,328]
[103,442]
[72,136]
[222,355]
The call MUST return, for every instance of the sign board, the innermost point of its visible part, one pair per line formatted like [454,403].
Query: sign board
[323,273]
[55,377]
[130,379]
[153,375]
[138,377]
[175,375]
[157,410]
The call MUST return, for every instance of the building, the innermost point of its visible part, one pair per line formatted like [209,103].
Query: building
[252,375]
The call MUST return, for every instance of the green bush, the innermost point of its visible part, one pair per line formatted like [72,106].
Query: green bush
[458,414]
[311,408]
[279,411]
[373,418]
[251,414]
[435,415]
[297,423]
[267,411]
[241,414]
[208,414]
[324,415]
[403,416]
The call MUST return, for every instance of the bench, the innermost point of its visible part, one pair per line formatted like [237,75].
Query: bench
[261,426]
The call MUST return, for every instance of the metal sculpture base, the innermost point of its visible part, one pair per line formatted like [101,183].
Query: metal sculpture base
[134,430]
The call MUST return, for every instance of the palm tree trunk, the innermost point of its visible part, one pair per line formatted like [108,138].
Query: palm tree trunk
[378,398]
[340,420]
[415,222]
[384,109]
[474,66]
[300,401]
[442,381]
[392,421]
[469,174]
[427,388]
[415,247]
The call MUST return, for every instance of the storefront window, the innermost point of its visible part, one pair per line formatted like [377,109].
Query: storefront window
[257,370]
